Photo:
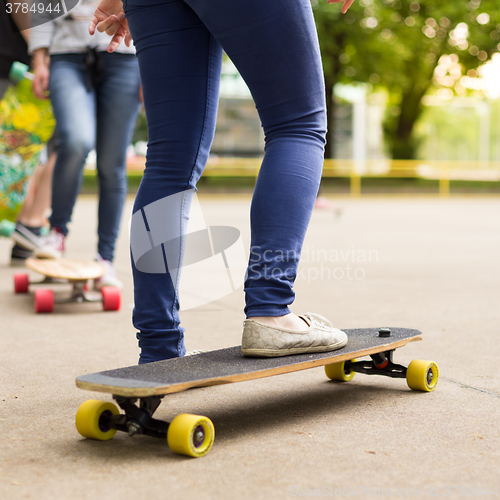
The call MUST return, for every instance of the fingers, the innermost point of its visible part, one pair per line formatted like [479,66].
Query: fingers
[118,37]
[110,24]
[93,24]
[105,23]
[40,86]
[346,5]
[114,25]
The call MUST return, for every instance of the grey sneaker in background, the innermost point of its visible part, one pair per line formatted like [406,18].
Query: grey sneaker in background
[109,277]
[269,341]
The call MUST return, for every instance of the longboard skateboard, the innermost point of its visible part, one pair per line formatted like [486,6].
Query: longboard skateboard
[75,272]
[193,435]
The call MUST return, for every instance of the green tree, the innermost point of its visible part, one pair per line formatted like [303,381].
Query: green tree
[397,44]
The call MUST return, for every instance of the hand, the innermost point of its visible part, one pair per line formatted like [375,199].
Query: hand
[41,71]
[109,17]
[345,7]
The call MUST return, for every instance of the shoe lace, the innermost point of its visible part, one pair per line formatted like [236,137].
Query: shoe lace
[318,321]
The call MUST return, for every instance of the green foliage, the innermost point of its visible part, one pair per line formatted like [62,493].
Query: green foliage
[397,44]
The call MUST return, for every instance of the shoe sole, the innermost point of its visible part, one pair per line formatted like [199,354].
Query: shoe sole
[17,262]
[276,353]
[41,253]
[23,241]
[98,285]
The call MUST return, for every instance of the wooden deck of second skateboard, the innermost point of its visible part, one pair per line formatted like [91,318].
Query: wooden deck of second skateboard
[229,365]
[68,269]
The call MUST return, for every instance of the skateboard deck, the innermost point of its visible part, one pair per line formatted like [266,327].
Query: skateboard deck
[66,269]
[151,382]
[75,272]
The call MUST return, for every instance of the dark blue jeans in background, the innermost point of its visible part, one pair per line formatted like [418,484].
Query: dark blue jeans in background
[274,45]
[101,117]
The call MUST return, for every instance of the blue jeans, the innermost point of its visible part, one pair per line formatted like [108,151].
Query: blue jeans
[274,45]
[98,115]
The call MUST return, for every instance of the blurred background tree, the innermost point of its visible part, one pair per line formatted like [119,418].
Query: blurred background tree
[399,45]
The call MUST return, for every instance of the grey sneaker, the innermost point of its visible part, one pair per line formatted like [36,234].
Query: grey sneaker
[269,341]
[109,277]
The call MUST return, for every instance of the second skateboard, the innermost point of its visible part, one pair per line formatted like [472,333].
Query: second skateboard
[77,273]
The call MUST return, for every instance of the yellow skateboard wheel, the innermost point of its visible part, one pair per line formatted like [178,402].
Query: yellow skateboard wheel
[89,421]
[337,371]
[191,435]
[422,375]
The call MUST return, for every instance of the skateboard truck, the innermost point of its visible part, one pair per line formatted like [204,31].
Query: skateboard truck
[78,291]
[381,364]
[191,435]
[138,419]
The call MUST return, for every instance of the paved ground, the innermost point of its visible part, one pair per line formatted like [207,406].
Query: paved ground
[422,263]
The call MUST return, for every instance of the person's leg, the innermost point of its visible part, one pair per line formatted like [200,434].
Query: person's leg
[117,109]
[275,48]
[74,111]
[180,64]
[31,193]
[34,214]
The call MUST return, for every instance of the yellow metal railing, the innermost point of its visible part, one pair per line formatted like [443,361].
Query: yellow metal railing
[441,171]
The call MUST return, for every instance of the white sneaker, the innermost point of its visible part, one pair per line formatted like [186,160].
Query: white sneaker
[109,277]
[272,341]
[51,245]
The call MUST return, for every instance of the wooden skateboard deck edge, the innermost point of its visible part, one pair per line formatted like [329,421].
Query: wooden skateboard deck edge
[66,269]
[140,389]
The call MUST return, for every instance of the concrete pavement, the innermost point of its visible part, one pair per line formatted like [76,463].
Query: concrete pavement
[419,263]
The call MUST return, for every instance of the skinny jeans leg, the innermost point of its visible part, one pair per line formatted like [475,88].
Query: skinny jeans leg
[274,45]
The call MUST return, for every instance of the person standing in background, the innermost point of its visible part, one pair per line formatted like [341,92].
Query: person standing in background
[95,97]
[31,218]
